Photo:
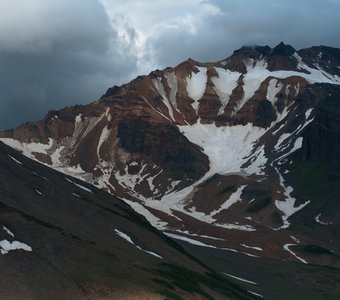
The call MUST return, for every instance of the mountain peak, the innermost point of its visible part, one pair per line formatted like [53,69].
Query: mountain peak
[278,58]
[264,51]
[283,49]
[254,52]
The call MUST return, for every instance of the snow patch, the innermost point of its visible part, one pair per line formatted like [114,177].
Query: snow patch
[160,89]
[8,231]
[256,294]
[317,219]
[297,146]
[79,185]
[56,157]
[308,112]
[196,85]
[40,193]
[208,218]
[28,148]
[286,247]
[258,161]
[157,111]
[199,235]
[277,130]
[78,119]
[257,72]
[224,85]
[17,161]
[172,83]
[226,147]
[281,140]
[195,242]
[149,252]
[129,240]
[103,137]
[287,206]
[297,89]
[273,89]
[130,180]
[234,198]
[239,278]
[235,226]
[107,114]
[153,220]
[316,75]
[124,236]
[188,240]
[252,247]
[150,180]
[6,246]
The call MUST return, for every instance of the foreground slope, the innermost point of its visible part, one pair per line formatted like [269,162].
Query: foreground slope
[242,153]
[61,238]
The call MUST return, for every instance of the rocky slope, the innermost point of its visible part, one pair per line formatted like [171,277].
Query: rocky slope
[241,154]
[61,238]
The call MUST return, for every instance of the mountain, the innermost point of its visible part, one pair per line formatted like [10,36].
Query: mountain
[61,238]
[241,154]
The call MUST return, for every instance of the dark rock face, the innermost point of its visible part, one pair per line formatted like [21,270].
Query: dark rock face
[281,58]
[110,92]
[254,52]
[327,58]
[265,113]
[322,138]
[166,145]
[56,123]
[282,50]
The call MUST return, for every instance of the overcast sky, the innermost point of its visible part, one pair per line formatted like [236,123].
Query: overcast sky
[56,53]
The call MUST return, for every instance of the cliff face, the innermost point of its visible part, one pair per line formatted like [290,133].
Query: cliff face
[225,148]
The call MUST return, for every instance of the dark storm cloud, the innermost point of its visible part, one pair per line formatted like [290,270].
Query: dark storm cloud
[62,52]
[56,53]
[301,23]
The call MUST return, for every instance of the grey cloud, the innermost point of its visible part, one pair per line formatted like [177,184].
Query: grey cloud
[59,52]
[72,58]
[300,23]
